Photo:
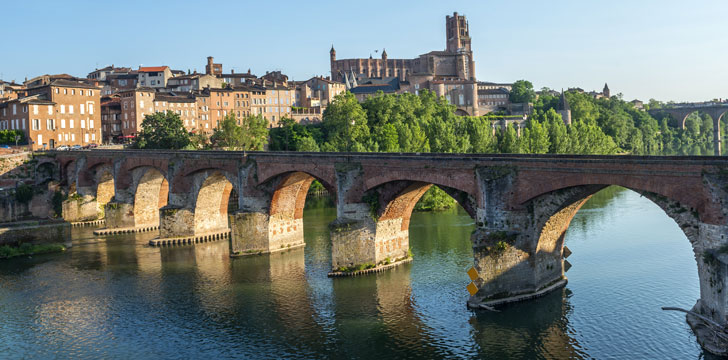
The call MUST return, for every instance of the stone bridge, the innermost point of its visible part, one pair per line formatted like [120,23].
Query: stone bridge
[680,114]
[521,204]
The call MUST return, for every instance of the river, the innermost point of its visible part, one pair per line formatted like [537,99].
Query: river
[116,297]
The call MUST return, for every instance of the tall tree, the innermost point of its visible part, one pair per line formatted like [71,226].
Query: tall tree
[345,124]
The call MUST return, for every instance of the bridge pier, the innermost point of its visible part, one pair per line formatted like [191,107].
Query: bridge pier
[260,233]
[81,206]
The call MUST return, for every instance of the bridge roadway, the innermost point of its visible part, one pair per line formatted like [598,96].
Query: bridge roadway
[521,205]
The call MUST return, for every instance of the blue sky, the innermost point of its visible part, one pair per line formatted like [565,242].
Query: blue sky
[667,49]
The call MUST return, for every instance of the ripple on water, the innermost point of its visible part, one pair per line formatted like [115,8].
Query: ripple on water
[115,297]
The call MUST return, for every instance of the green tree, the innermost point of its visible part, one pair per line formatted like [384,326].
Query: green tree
[250,133]
[162,131]
[535,139]
[509,142]
[345,124]
[522,92]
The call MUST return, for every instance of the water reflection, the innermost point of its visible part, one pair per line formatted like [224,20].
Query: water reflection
[545,333]
[116,297]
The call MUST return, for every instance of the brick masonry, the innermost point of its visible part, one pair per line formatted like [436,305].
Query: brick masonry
[522,204]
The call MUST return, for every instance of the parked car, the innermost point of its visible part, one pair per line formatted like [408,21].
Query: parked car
[63,148]
[91,146]
[76,147]
[4,146]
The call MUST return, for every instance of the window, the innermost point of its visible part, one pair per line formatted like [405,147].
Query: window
[56,90]
[66,136]
[70,109]
[82,109]
[36,124]
[90,124]
[85,138]
[141,103]
[35,109]
[93,137]
[63,109]
[65,91]
[50,110]
[73,91]
[91,92]
[70,123]
[63,123]
[49,124]
[91,108]
[73,137]
[83,124]
[80,92]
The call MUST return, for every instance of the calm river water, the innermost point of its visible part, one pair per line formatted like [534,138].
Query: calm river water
[116,297]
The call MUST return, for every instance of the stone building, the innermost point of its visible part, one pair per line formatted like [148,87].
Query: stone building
[211,68]
[192,82]
[449,73]
[317,91]
[111,119]
[154,76]
[103,73]
[135,103]
[55,112]
[10,90]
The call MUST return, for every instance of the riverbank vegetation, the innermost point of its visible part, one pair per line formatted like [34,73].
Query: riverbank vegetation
[26,249]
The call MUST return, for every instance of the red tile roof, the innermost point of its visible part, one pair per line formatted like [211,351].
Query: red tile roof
[152,68]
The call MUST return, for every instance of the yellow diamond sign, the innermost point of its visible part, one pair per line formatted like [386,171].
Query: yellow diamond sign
[473,273]
[472,289]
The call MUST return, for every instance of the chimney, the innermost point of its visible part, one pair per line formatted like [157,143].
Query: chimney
[232,71]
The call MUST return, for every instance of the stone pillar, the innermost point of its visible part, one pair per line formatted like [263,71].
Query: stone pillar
[119,215]
[176,221]
[518,250]
[716,136]
[270,218]
[257,232]
[80,207]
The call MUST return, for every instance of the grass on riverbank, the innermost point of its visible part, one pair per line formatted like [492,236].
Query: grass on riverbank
[7,252]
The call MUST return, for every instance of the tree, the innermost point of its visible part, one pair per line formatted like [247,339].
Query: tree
[345,124]
[522,92]
[250,134]
[509,142]
[535,138]
[162,131]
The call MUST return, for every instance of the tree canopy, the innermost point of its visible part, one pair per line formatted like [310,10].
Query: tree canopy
[162,131]
[248,133]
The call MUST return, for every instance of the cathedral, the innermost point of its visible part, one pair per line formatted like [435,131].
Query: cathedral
[449,73]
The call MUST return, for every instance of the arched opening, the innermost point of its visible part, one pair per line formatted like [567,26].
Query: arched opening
[392,205]
[151,195]
[212,204]
[629,257]
[288,201]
